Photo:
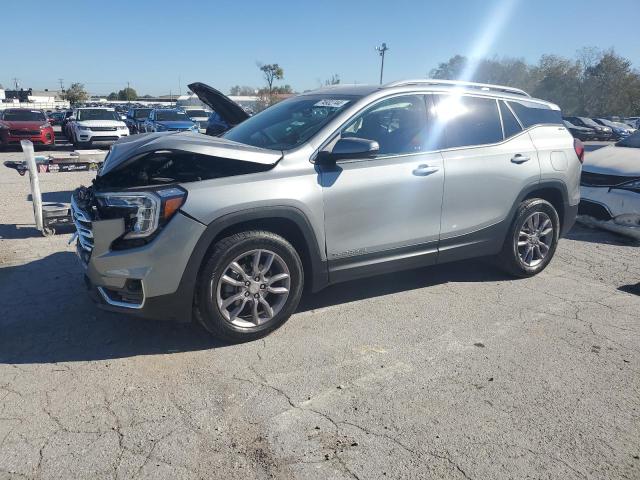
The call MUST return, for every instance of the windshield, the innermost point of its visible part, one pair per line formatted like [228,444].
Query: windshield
[197,113]
[97,114]
[171,115]
[141,113]
[289,123]
[632,141]
[569,124]
[588,121]
[24,116]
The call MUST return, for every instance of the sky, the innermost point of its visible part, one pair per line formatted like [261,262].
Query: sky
[160,46]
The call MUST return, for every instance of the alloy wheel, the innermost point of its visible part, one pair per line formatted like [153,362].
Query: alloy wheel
[253,288]
[535,239]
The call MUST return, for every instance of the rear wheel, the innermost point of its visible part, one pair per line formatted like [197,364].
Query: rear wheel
[532,239]
[249,286]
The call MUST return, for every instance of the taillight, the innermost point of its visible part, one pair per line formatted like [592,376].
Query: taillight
[578,146]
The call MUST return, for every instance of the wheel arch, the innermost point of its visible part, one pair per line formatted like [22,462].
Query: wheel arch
[556,193]
[289,222]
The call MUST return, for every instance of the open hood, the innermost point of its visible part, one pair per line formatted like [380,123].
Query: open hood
[230,111]
[128,149]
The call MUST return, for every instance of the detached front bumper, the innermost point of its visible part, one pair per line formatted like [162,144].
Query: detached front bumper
[143,281]
[612,209]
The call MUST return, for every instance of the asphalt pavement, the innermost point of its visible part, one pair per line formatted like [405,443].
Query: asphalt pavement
[453,371]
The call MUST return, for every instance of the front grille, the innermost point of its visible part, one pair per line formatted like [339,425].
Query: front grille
[103,129]
[82,221]
[104,139]
[24,133]
[589,179]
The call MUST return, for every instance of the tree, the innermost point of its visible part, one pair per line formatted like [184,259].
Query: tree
[595,83]
[127,94]
[112,96]
[450,70]
[237,90]
[76,93]
[271,72]
[334,80]
[611,86]
[558,80]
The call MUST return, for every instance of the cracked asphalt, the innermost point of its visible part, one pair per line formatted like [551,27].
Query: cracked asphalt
[455,371]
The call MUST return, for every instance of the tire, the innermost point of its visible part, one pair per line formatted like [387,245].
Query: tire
[511,258]
[211,290]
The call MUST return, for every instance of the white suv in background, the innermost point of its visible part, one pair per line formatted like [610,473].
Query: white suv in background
[89,126]
[200,116]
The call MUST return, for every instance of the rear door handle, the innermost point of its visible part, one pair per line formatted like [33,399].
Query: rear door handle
[424,170]
[518,158]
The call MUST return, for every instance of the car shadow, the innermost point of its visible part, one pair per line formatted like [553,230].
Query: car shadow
[13,231]
[47,317]
[632,289]
[474,270]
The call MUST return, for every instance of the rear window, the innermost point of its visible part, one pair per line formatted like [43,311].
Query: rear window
[531,113]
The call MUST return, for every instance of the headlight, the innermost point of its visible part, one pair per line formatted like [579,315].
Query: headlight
[143,212]
[160,128]
[124,127]
[82,127]
[194,128]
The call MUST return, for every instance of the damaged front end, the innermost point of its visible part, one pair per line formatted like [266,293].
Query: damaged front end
[131,235]
[611,202]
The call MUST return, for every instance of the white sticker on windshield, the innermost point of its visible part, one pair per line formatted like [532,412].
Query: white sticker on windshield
[331,102]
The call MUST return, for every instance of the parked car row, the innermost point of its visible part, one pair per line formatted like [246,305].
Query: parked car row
[585,128]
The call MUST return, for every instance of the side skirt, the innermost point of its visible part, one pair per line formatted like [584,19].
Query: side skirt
[360,266]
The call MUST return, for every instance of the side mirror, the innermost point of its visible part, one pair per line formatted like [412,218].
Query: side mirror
[350,148]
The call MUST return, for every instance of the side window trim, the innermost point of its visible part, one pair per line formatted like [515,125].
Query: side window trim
[514,114]
[504,135]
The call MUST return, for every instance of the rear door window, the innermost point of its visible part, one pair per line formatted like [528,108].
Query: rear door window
[468,121]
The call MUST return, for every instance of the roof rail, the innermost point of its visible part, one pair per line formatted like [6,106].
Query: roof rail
[480,86]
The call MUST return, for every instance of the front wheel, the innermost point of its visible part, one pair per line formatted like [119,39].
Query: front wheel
[532,239]
[249,286]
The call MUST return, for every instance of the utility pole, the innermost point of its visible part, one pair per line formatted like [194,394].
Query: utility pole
[15,83]
[381,50]
[61,80]
[128,90]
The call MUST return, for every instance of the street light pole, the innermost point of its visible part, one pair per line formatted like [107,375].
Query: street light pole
[381,50]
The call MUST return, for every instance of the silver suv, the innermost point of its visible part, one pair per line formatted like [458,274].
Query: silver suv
[331,185]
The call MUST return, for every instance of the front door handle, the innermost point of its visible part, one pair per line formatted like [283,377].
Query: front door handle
[424,170]
[518,158]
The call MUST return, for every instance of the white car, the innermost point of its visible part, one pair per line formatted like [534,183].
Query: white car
[200,116]
[95,126]
[610,187]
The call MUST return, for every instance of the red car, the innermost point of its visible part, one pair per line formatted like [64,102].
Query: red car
[23,124]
